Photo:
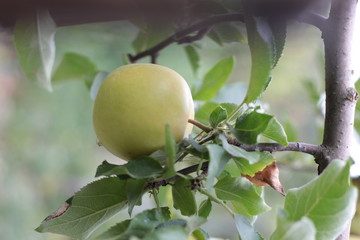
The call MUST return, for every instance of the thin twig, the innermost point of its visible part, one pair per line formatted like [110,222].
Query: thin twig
[314,19]
[180,37]
[311,149]
[200,125]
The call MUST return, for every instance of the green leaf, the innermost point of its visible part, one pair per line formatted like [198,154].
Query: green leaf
[215,79]
[170,149]
[144,167]
[199,234]
[205,208]
[108,169]
[293,230]
[74,66]
[140,226]
[217,116]
[242,194]
[135,188]
[248,163]
[276,132]
[226,33]
[279,32]
[218,160]
[35,46]
[328,201]
[87,209]
[204,111]
[193,57]
[261,44]
[168,233]
[249,126]
[150,36]
[183,197]
[245,229]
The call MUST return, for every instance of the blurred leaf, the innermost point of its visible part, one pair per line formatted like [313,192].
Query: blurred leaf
[250,125]
[245,229]
[199,234]
[279,32]
[204,111]
[90,207]
[268,176]
[168,233]
[139,226]
[144,167]
[74,66]
[218,160]
[331,207]
[150,36]
[242,194]
[215,79]
[193,57]
[248,163]
[183,197]
[293,230]
[312,90]
[217,116]
[261,43]
[35,46]
[230,107]
[135,188]
[95,83]
[170,150]
[205,208]
[226,33]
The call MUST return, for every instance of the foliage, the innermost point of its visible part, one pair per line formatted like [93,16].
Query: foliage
[318,210]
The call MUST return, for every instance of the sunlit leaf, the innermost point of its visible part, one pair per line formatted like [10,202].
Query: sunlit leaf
[90,207]
[215,79]
[329,201]
[35,46]
[183,197]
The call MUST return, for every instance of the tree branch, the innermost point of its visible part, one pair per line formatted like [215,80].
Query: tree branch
[313,150]
[314,19]
[181,36]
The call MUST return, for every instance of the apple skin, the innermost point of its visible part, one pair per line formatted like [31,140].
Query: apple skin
[133,105]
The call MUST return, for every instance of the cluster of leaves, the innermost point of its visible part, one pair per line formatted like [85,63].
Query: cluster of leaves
[219,172]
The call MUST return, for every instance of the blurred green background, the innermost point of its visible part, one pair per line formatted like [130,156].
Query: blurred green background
[48,148]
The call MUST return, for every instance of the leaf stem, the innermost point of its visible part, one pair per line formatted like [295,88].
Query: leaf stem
[200,125]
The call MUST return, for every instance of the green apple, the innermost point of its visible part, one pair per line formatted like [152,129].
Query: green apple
[133,105]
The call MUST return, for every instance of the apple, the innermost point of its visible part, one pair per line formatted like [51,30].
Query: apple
[133,106]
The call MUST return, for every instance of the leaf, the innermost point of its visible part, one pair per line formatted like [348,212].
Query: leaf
[135,188]
[183,197]
[242,194]
[218,160]
[328,201]
[193,57]
[217,116]
[168,233]
[205,208]
[170,150]
[215,79]
[261,44]
[199,234]
[90,207]
[249,163]
[140,225]
[35,46]
[249,126]
[279,32]
[293,230]
[144,167]
[245,229]
[149,36]
[108,169]
[268,176]
[226,33]
[204,111]
[74,66]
